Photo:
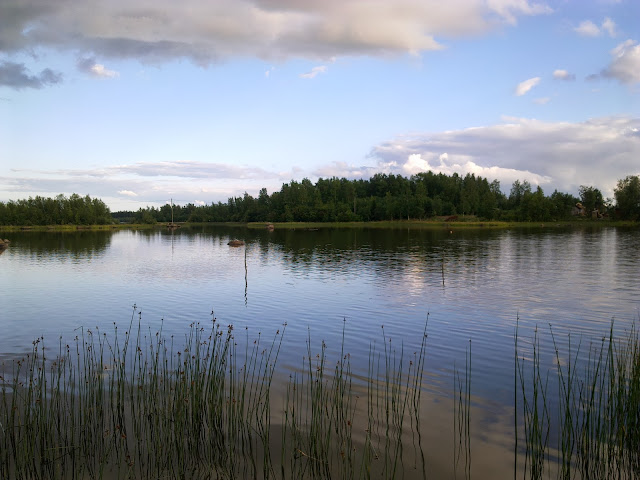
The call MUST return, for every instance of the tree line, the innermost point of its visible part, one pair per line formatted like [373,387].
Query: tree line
[394,197]
[61,210]
[382,197]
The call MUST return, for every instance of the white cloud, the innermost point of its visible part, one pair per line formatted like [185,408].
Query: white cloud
[524,87]
[134,185]
[344,170]
[186,169]
[100,71]
[609,26]
[89,65]
[555,155]
[625,65]
[588,29]
[509,9]
[463,165]
[207,31]
[563,75]
[314,72]
[542,100]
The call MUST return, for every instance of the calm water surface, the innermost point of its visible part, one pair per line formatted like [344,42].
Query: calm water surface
[379,285]
[471,285]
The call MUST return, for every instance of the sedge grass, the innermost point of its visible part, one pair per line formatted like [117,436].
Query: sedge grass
[136,407]
[462,417]
[144,405]
[596,412]
[323,410]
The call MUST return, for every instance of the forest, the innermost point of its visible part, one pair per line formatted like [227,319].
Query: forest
[61,210]
[394,197]
[382,197]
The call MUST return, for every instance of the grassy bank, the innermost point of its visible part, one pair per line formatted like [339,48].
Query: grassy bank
[71,228]
[436,223]
[440,223]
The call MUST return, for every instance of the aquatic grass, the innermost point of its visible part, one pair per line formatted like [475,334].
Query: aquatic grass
[323,410]
[462,417]
[141,404]
[597,409]
[536,416]
[136,408]
[138,403]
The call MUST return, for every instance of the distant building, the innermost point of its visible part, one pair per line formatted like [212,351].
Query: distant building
[578,210]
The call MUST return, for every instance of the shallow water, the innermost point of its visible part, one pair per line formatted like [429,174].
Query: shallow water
[379,285]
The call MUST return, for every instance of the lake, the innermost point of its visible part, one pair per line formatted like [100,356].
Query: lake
[472,287]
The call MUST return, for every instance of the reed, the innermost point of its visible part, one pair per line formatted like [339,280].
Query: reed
[323,411]
[462,417]
[597,409]
[144,405]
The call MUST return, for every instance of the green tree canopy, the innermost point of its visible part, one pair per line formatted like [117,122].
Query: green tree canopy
[627,194]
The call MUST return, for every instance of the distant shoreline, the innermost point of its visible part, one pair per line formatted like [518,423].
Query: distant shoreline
[410,224]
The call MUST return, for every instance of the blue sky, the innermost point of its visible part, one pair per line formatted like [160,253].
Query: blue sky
[140,101]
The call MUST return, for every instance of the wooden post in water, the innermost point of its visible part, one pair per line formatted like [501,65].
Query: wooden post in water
[443,269]
[172,225]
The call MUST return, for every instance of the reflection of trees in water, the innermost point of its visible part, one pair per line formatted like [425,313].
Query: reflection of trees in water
[218,232]
[74,244]
[388,251]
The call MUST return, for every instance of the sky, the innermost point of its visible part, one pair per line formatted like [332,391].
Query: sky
[138,102]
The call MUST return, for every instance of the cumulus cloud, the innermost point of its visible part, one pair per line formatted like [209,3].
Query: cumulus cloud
[609,26]
[205,32]
[89,65]
[463,165]
[553,155]
[524,87]
[16,76]
[589,29]
[314,72]
[509,10]
[563,75]
[625,65]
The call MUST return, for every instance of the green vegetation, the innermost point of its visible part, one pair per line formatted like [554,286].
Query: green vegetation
[595,421]
[381,198]
[142,405]
[627,195]
[138,405]
[75,210]
[393,197]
